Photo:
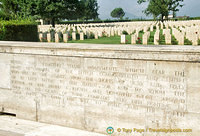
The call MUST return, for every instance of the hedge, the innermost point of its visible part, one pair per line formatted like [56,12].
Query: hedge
[101,21]
[18,30]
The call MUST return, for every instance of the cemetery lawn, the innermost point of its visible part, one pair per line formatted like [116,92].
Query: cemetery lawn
[151,38]
[104,40]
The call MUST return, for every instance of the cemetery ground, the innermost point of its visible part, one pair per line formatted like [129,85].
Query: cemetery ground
[103,40]
[116,39]
[135,33]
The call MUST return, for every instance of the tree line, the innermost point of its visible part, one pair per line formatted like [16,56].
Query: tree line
[55,10]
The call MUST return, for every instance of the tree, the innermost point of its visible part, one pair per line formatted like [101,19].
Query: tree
[90,9]
[14,9]
[8,8]
[56,9]
[161,7]
[117,13]
[52,10]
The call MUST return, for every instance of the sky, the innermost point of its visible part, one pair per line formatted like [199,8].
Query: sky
[133,10]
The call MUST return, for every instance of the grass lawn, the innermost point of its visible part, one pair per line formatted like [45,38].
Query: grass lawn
[162,38]
[117,39]
[151,38]
[104,40]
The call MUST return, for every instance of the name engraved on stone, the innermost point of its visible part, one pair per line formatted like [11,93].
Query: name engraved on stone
[129,87]
[5,77]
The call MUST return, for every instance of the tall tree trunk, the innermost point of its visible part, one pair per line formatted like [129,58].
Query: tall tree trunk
[162,17]
[53,22]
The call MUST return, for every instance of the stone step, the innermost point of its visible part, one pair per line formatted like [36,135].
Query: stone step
[19,127]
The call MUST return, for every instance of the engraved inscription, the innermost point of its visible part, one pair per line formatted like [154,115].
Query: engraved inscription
[121,85]
[5,76]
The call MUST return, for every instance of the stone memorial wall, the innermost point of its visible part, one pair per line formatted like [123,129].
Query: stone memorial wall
[135,89]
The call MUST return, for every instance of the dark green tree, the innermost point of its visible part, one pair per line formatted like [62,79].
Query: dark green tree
[8,8]
[15,9]
[117,13]
[52,10]
[56,9]
[90,9]
[161,7]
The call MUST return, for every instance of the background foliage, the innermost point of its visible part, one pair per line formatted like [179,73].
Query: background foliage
[18,30]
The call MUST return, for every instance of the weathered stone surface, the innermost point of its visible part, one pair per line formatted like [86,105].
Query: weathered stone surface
[92,87]
[5,71]
[19,127]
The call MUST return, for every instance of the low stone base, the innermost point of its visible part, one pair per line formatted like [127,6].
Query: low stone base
[19,127]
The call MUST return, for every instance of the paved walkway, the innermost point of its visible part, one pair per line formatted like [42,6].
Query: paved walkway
[11,126]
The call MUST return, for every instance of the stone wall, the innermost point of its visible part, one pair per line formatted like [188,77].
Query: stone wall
[91,87]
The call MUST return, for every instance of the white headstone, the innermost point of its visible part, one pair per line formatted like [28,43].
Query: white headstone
[181,39]
[123,39]
[168,38]
[96,35]
[144,39]
[81,36]
[65,37]
[41,37]
[156,38]
[73,35]
[49,37]
[133,39]
[57,38]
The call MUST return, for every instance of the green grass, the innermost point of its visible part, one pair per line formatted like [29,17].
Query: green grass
[139,39]
[104,40]
[117,39]
[151,38]
[174,41]
[162,38]
[187,42]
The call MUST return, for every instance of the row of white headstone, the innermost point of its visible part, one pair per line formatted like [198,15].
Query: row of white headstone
[180,37]
[61,37]
[180,30]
